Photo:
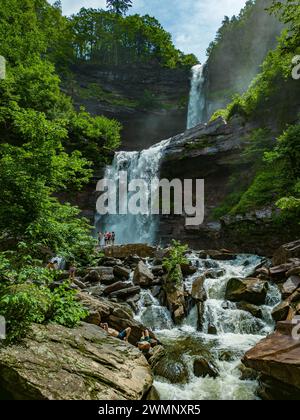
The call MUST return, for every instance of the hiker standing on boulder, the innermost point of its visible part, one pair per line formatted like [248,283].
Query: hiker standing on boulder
[113,238]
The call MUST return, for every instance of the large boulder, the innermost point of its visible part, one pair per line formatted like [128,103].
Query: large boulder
[115,287]
[142,275]
[198,290]
[118,316]
[167,365]
[121,272]
[287,251]
[203,368]
[84,363]
[106,274]
[250,290]
[125,251]
[126,292]
[281,311]
[277,360]
[290,286]
[254,310]
[92,277]
[278,273]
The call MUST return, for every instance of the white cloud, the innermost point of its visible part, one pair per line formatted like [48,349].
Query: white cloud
[192,23]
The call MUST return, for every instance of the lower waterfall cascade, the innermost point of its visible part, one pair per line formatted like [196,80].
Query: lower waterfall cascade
[236,332]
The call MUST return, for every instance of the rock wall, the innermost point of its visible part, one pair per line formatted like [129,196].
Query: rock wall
[123,93]
[213,152]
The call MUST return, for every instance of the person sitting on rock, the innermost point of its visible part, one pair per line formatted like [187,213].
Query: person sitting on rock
[122,335]
[146,342]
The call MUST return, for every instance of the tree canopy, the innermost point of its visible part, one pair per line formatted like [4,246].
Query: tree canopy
[120,7]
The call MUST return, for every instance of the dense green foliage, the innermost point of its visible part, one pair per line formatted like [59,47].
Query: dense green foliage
[273,96]
[46,148]
[110,39]
[174,260]
[120,7]
[24,304]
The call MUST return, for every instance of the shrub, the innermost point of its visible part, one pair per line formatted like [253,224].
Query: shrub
[65,309]
[174,260]
[21,305]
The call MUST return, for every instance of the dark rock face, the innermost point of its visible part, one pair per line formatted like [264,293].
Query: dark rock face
[277,359]
[124,89]
[203,368]
[210,152]
[249,290]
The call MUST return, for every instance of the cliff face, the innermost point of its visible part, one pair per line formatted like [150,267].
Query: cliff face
[213,152]
[150,101]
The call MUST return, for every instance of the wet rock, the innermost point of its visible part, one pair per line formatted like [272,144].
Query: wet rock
[221,255]
[290,286]
[252,309]
[156,291]
[108,279]
[247,374]
[93,318]
[110,262]
[214,274]
[293,272]
[277,357]
[203,368]
[92,277]
[142,275]
[285,310]
[120,285]
[174,371]
[278,273]
[153,395]
[121,272]
[198,291]
[96,290]
[175,296]
[248,290]
[84,363]
[125,251]
[290,250]
[125,293]
[157,270]
[102,270]
[226,356]
[212,330]
[188,269]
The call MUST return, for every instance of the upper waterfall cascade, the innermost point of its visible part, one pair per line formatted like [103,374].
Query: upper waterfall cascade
[197,97]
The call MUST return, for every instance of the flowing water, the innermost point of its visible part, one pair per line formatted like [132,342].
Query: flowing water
[236,332]
[197,97]
[144,165]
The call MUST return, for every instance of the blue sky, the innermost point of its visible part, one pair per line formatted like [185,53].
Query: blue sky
[192,23]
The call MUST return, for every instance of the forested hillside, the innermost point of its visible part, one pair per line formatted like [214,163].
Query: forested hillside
[271,105]
[235,56]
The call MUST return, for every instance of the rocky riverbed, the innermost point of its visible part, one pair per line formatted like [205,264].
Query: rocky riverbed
[222,312]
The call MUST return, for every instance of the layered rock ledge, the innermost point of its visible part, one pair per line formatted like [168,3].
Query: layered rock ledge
[57,363]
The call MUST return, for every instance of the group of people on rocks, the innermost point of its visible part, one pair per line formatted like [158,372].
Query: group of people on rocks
[144,344]
[108,238]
